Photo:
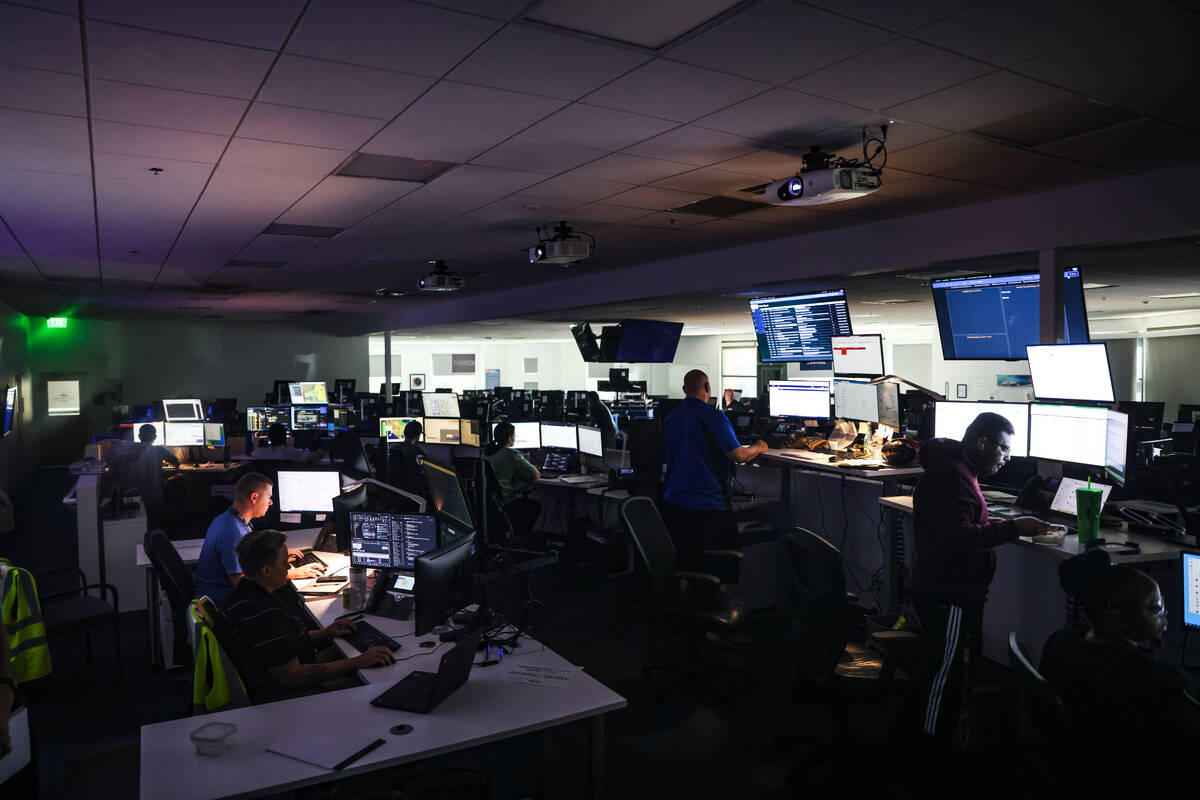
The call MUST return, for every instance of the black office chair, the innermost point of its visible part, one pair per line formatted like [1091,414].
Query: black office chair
[73,609]
[1046,735]
[176,580]
[690,604]
[831,670]
[346,451]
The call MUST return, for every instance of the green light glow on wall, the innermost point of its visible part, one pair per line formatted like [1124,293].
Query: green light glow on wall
[56,322]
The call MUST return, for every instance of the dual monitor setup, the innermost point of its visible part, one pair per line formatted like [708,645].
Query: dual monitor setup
[183,425]
[845,397]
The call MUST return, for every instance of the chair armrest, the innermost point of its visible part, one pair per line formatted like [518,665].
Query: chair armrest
[59,570]
[80,590]
[699,578]
[725,564]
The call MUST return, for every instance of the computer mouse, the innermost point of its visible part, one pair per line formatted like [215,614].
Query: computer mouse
[833,458]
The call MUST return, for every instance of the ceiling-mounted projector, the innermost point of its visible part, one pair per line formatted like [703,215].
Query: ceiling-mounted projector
[441,279]
[563,248]
[823,180]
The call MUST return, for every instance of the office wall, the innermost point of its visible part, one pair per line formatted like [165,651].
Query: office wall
[147,360]
[1172,371]
[14,369]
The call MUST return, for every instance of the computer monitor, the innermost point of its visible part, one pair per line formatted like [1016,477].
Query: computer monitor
[351,500]
[308,392]
[887,398]
[446,491]
[799,327]
[442,431]
[1116,447]
[281,393]
[1077,434]
[858,356]
[301,490]
[160,432]
[445,583]
[390,540]
[552,398]
[183,434]
[470,432]
[142,413]
[799,399]
[591,441]
[259,418]
[1070,372]
[440,404]
[183,411]
[214,434]
[951,418]
[391,429]
[528,435]
[1064,501]
[343,389]
[856,401]
[310,418]
[10,405]
[559,436]
[1190,569]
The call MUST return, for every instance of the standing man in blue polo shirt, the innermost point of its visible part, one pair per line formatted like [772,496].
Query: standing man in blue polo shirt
[701,448]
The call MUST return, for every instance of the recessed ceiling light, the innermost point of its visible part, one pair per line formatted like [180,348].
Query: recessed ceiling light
[890,302]
[1175,296]
[1098,285]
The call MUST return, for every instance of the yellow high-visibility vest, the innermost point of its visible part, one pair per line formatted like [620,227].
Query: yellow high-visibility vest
[22,616]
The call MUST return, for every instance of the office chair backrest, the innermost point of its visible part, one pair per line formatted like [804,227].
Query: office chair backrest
[495,524]
[1042,708]
[819,591]
[173,574]
[217,686]
[645,525]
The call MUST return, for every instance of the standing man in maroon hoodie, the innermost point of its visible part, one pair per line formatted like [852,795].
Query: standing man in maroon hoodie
[953,561]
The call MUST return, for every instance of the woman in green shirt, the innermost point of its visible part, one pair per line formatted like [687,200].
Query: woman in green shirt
[510,466]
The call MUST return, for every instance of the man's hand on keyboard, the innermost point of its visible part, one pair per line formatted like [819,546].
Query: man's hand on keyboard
[307,571]
[340,627]
[378,656]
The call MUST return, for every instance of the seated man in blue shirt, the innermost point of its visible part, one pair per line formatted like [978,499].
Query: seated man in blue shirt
[218,569]
[700,447]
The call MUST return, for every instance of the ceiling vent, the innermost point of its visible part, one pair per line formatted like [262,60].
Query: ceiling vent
[315,231]
[394,168]
[242,262]
[718,206]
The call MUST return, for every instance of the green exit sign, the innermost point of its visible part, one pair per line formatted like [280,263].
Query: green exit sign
[56,322]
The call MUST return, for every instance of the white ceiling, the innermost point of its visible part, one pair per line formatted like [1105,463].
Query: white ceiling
[247,108]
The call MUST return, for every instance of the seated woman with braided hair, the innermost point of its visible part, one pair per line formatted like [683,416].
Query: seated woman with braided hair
[1116,695]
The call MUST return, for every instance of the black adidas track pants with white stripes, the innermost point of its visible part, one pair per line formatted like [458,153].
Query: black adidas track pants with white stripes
[950,628]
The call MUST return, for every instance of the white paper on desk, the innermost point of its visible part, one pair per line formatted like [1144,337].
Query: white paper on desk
[319,750]
[290,516]
[18,731]
[539,676]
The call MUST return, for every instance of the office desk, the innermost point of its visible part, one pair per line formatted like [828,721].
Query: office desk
[1025,595]
[487,708]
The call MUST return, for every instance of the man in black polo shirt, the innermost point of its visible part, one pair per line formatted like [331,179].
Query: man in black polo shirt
[275,654]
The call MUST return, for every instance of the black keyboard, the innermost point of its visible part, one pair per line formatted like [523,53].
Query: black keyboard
[365,636]
[307,558]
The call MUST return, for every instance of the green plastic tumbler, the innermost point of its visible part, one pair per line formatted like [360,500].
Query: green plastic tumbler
[1087,512]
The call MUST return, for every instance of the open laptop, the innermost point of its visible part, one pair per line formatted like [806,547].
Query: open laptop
[421,692]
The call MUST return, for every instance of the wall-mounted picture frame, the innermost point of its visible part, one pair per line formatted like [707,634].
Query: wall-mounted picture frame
[960,391]
[416,381]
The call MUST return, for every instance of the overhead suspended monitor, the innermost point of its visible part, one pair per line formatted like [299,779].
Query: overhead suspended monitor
[800,327]
[1071,372]
[646,341]
[995,317]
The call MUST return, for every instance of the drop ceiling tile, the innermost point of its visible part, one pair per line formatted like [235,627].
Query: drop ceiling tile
[1135,146]
[126,279]
[164,108]
[900,17]
[572,186]
[251,179]
[497,9]
[263,23]
[653,198]
[406,37]
[551,159]
[778,161]
[778,41]
[943,154]
[675,91]
[472,186]
[116,137]
[281,156]
[174,62]
[39,90]
[634,170]
[40,39]
[43,130]
[691,145]
[670,221]
[414,140]
[790,216]
[995,96]
[889,74]
[712,180]
[475,108]
[51,214]
[780,115]
[341,202]
[602,128]
[603,212]
[301,126]
[20,155]
[327,86]
[935,190]
[1007,32]
[137,168]
[267,247]
[526,59]
[1027,172]
[241,276]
